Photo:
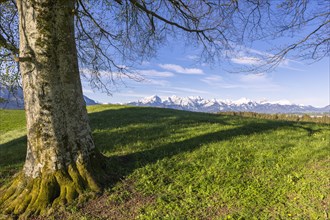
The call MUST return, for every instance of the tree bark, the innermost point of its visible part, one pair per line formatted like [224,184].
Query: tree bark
[61,157]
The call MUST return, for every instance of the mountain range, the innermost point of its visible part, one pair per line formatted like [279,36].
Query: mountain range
[13,98]
[198,104]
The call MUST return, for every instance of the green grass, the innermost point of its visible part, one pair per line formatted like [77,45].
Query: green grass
[169,164]
[12,142]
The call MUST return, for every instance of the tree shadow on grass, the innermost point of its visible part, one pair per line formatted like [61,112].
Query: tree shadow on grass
[12,155]
[124,116]
[155,124]
[157,121]
[129,126]
[13,151]
[121,166]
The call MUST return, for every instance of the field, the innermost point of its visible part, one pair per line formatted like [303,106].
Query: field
[169,164]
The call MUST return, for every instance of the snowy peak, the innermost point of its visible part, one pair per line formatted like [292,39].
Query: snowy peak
[197,103]
[151,99]
[242,101]
[281,102]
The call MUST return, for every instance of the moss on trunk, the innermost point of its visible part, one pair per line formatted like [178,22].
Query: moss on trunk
[27,196]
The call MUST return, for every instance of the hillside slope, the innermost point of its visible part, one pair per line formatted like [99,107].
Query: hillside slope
[168,164]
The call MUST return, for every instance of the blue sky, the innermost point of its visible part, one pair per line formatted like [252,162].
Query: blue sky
[175,71]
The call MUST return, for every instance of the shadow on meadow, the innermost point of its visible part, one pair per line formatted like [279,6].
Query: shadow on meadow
[13,151]
[141,128]
[12,155]
[147,125]
[114,118]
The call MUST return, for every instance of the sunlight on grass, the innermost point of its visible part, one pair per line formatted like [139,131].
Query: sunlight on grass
[12,142]
[169,164]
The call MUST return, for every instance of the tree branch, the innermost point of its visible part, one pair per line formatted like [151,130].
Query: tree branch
[147,11]
[8,46]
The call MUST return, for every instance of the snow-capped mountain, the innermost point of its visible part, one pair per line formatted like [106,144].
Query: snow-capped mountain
[199,104]
[13,98]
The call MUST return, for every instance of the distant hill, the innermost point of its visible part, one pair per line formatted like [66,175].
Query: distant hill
[90,101]
[13,98]
[198,104]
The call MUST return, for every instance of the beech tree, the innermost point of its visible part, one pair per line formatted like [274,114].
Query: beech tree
[44,43]
[61,160]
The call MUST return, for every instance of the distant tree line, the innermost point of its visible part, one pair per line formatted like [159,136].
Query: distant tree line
[324,119]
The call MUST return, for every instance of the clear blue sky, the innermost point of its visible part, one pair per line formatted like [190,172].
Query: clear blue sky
[175,72]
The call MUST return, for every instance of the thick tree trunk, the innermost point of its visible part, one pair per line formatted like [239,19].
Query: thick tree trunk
[61,155]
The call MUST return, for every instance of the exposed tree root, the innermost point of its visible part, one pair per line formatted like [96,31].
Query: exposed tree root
[24,196]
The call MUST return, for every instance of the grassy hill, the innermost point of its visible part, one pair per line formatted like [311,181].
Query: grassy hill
[169,164]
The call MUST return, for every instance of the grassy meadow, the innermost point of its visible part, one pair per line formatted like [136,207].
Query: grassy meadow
[168,164]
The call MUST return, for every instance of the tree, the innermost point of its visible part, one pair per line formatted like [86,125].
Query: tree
[55,37]
[61,160]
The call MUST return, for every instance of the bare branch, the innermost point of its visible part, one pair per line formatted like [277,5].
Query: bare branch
[113,34]
[135,3]
[7,45]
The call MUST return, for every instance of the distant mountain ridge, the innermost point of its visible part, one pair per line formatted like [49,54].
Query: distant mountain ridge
[198,104]
[13,99]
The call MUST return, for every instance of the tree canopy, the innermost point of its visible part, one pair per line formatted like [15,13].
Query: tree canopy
[114,35]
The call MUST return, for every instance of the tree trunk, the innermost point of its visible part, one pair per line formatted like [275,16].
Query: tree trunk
[61,157]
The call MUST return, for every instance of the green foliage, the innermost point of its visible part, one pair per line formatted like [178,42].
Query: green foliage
[169,164]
